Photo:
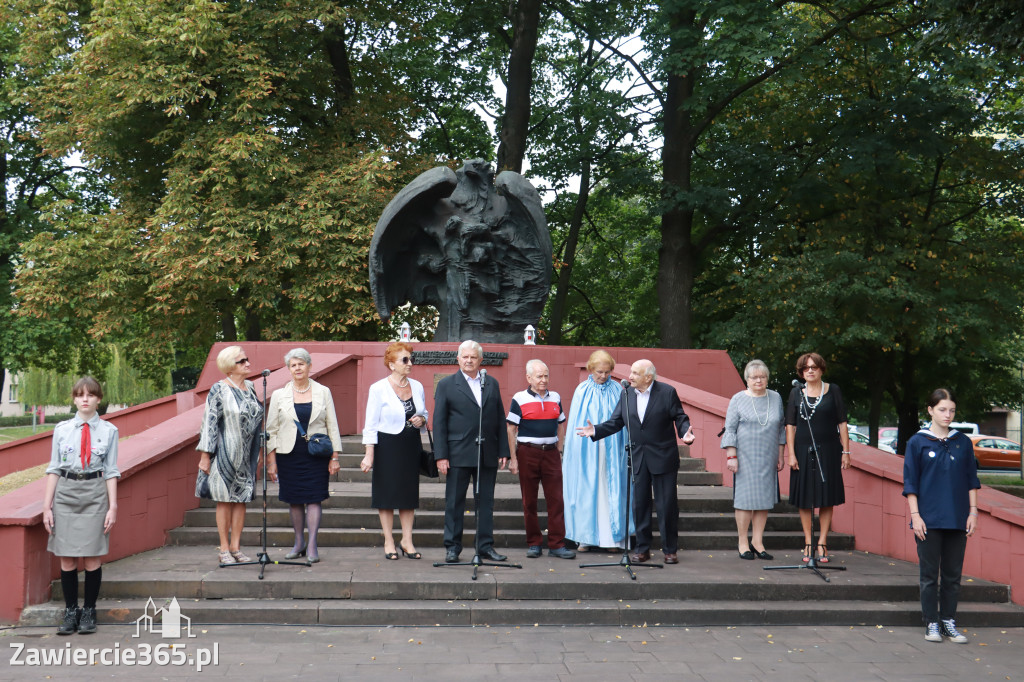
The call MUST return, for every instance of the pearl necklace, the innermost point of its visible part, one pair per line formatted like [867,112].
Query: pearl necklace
[240,388]
[767,411]
[295,388]
[807,402]
[398,384]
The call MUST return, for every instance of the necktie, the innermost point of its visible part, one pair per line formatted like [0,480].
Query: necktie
[86,450]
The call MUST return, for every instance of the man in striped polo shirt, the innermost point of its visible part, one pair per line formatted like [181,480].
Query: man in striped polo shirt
[536,431]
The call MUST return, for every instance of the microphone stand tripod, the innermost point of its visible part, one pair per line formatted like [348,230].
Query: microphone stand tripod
[625,561]
[812,563]
[477,562]
[263,558]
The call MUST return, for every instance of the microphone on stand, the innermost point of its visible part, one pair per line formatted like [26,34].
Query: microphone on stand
[799,384]
[625,383]
[483,376]
[265,372]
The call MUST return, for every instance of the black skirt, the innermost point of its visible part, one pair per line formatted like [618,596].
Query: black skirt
[396,470]
[302,479]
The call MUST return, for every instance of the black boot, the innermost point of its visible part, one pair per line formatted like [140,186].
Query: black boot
[87,621]
[69,623]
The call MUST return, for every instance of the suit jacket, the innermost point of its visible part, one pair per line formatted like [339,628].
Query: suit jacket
[654,441]
[456,420]
[281,429]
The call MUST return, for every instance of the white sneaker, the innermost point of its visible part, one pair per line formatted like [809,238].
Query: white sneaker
[949,630]
[932,634]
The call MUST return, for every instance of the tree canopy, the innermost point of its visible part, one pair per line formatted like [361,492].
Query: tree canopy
[843,176]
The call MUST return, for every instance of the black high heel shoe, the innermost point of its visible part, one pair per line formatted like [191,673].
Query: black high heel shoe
[410,555]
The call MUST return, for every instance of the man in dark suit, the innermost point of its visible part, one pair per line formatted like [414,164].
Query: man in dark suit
[458,402]
[653,409]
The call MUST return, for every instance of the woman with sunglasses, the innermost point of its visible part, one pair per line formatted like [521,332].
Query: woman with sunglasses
[229,448]
[818,443]
[396,414]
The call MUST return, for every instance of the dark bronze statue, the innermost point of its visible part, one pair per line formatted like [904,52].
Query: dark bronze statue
[475,247]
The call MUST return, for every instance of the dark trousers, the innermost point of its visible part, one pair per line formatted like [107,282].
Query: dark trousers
[941,558]
[541,467]
[664,487]
[456,482]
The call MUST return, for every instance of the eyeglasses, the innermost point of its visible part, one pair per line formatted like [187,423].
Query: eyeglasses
[759,377]
[242,361]
[406,360]
[814,367]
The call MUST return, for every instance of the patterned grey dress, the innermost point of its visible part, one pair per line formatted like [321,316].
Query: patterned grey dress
[756,427]
[230,433]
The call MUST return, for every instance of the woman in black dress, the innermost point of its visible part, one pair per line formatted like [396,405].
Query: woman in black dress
[396,412]
[303,479]
[818,444]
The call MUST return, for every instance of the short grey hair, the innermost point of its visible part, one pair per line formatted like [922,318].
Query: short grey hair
[753,366]
[532,364]
[298,354]
[651,370]
[469,343]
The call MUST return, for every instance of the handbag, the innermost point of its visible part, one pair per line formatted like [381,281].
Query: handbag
[428,465]
[318,444]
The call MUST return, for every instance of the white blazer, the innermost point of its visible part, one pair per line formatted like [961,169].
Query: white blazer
[385,412]
[281,429]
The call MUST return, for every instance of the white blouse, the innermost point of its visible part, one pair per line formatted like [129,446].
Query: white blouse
[385,412]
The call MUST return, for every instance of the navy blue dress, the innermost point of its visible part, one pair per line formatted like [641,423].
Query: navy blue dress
[302,479]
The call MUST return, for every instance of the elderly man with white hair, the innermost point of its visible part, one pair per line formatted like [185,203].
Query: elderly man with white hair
[653,408]
[467,407]
[536,429]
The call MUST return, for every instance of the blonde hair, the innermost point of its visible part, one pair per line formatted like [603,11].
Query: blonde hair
[599,357]
[226,358]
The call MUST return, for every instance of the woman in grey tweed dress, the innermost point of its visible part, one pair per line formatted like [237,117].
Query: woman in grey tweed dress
[754,441]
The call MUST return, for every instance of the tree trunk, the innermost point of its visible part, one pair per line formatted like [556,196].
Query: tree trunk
[568,257]
[676,257]
[906,403]
[337,54]
[515,122]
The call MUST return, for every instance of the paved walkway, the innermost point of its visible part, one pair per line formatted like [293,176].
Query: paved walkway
[724,654]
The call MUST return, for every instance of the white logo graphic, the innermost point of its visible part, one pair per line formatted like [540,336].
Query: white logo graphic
[166,621]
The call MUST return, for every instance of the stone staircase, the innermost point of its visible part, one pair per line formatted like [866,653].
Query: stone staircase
[355,585]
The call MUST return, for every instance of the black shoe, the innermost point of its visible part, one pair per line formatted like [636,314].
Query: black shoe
[492,555]
[533,552]
[763,555]
[87,621]
[69,623]
[562,553]
[748,555]
[452,556]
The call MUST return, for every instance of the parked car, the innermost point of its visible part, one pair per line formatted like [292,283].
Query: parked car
[888,445]
[887,433]
[995,453]
[858,437]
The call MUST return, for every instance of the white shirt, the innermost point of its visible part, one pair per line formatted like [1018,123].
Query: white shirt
[474,385]
[642,398]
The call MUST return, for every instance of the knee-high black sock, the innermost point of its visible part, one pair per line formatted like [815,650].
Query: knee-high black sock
[92,587]
[69,584]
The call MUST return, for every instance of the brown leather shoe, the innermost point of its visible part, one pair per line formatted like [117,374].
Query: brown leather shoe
[671,558]
[640,557]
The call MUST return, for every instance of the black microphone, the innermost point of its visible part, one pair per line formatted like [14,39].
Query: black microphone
[265,372]
[625,383]
[798,383]
[483,375]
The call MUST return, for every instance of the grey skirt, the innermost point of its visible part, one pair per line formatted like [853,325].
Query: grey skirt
[79,508]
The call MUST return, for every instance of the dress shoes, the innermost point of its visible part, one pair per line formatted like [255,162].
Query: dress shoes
[533,552]
[452,556]
[671,558]
[489,553]
[640,557]
[748,555]
[764,555]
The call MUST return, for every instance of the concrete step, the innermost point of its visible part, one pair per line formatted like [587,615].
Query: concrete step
[684,477]
[356,586]
[512,537]
[541,612]
[351,461]
[507,497]
[278,517]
